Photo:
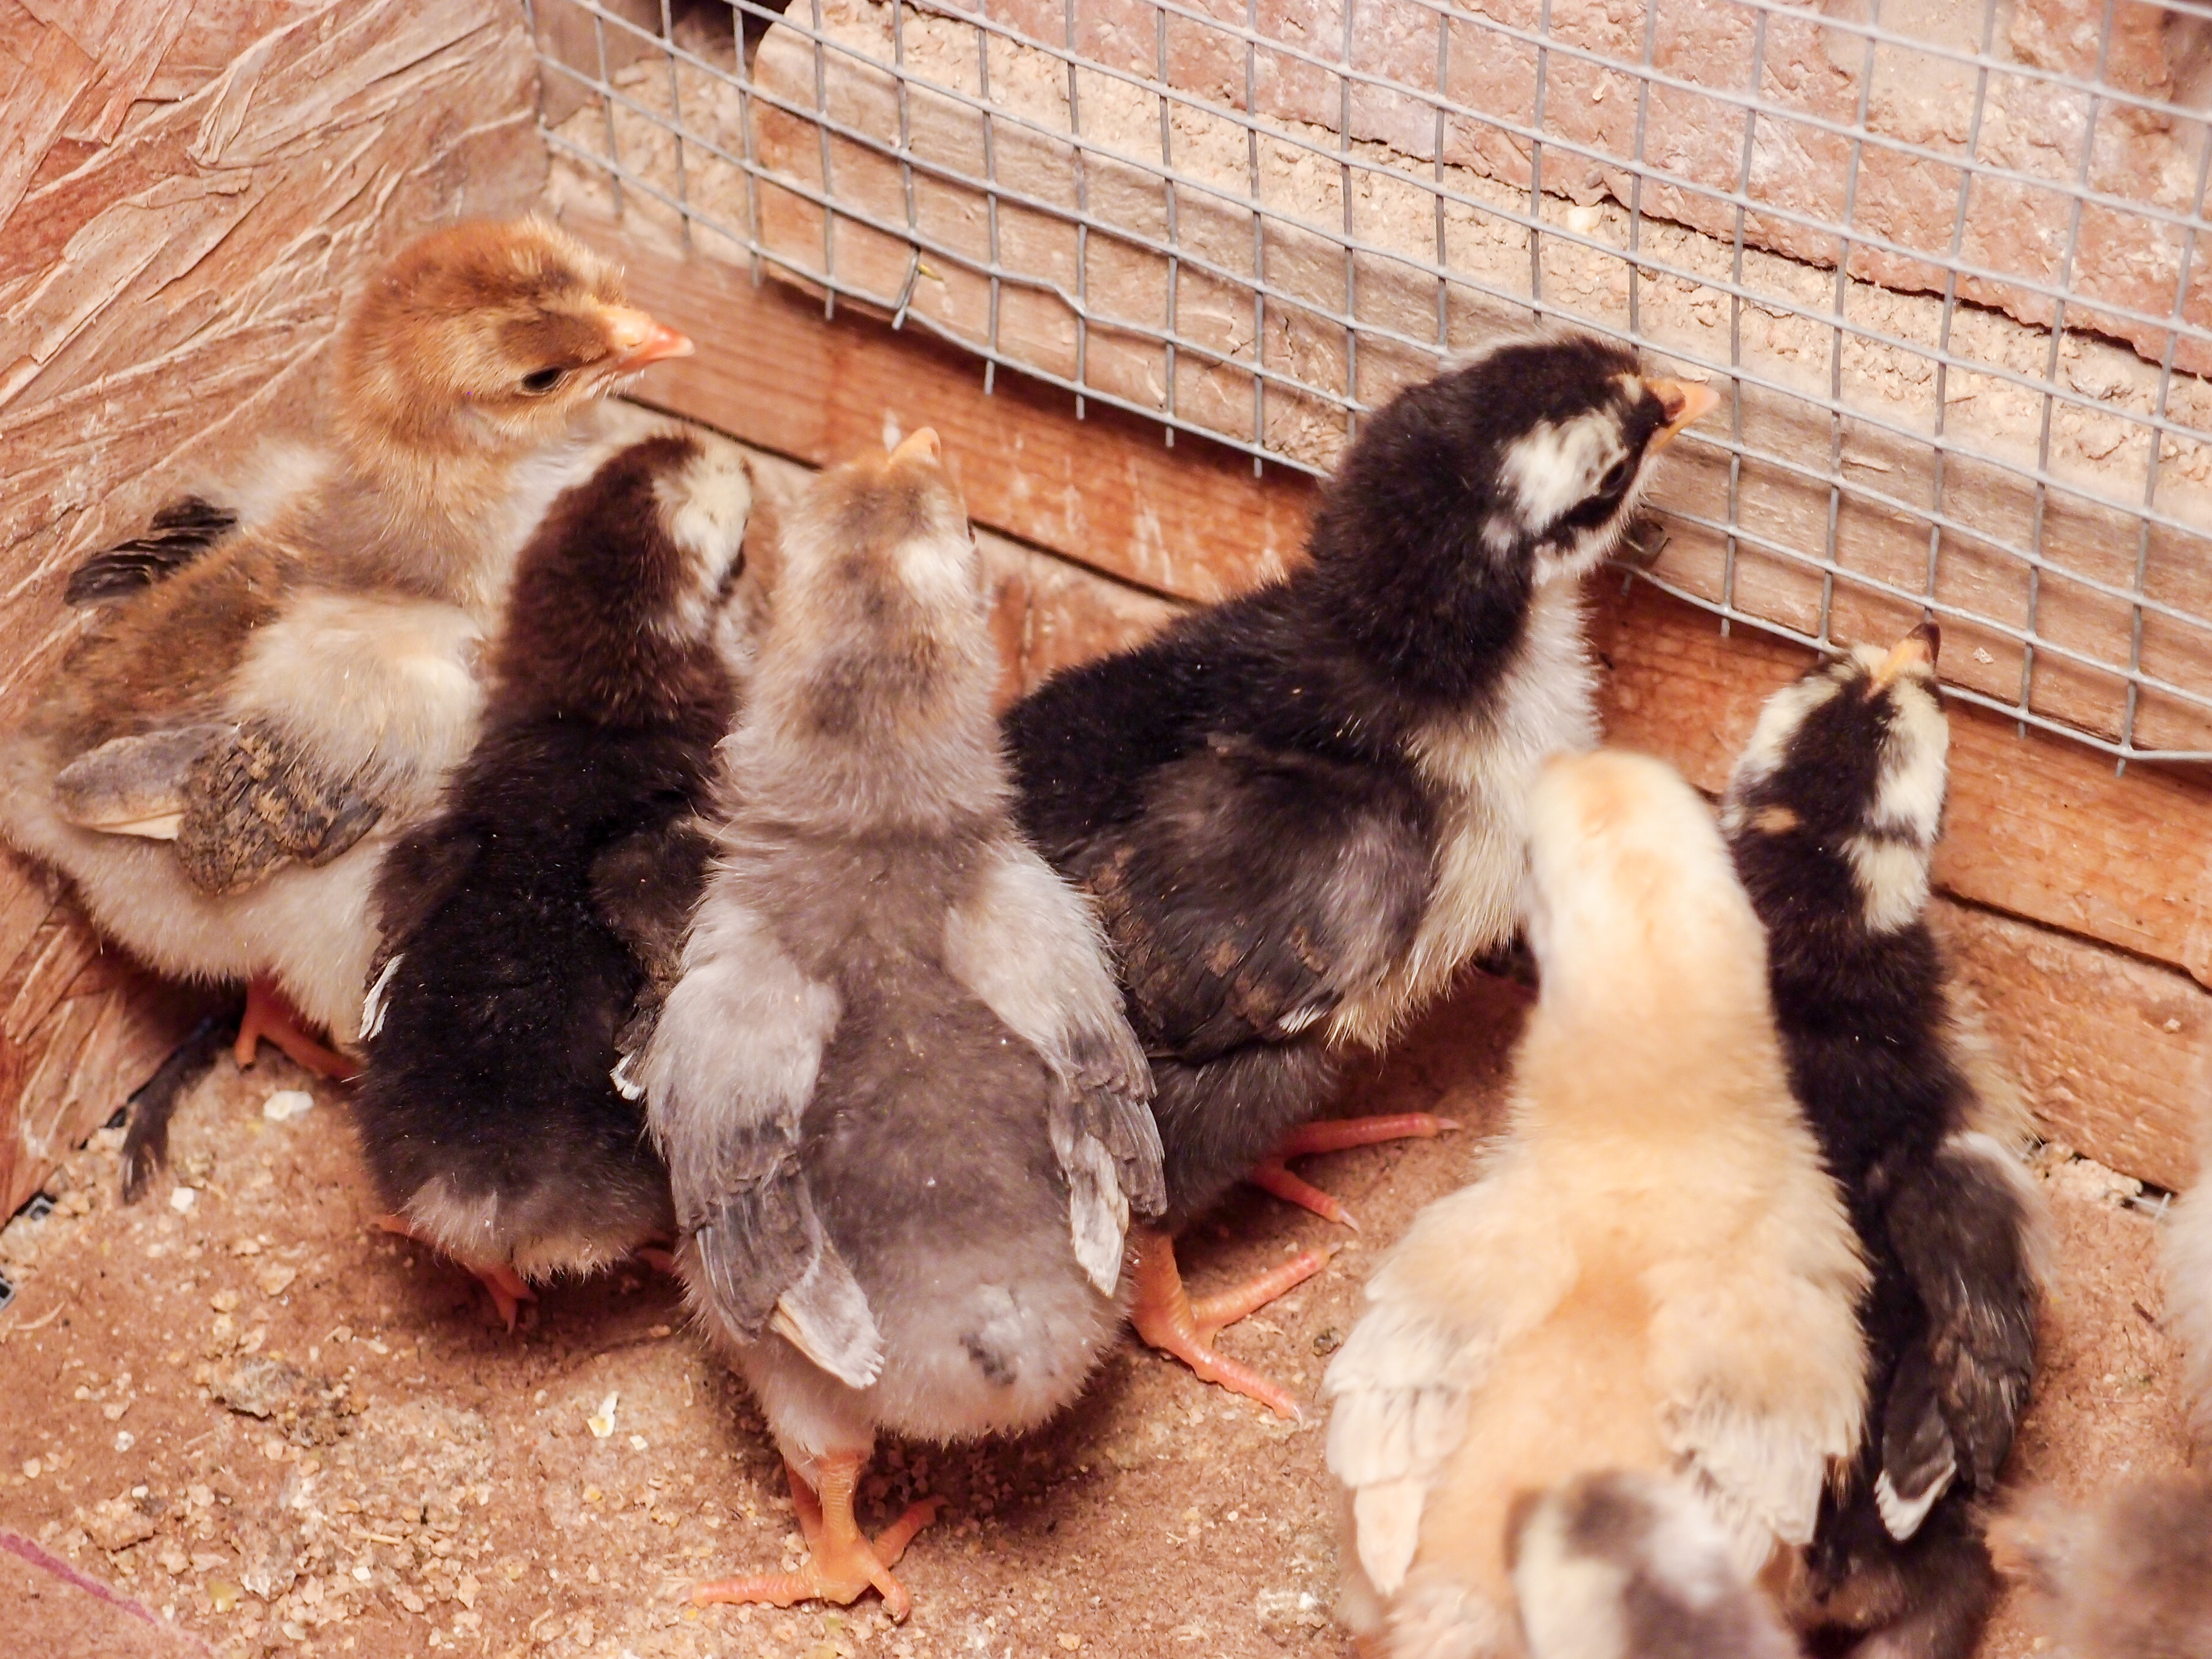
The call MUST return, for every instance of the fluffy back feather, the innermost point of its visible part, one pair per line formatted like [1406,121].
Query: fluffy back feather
[870,709]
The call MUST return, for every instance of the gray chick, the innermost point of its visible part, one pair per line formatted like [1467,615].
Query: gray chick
[2128,1578]
[1628,1565]
[903,1114]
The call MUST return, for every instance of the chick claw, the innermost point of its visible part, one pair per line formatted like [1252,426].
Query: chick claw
[842,1562]
[509,1290]
[1338,1134]
[270,1014]
[1166,1318]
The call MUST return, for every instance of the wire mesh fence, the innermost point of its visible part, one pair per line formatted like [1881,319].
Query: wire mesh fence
[1943,259]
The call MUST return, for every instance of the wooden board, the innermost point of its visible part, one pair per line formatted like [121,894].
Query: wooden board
[2038,827]
[185,188]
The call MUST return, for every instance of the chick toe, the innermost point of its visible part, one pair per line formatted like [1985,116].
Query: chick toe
[843,1564]
[1165,1317]
[270,1016]
[507,1289]
[1338,1134]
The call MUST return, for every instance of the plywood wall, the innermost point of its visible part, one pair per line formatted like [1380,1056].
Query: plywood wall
[187,187]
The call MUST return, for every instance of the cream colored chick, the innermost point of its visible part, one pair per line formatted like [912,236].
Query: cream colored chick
[1653,1273]
[221,760]
[2187,1248]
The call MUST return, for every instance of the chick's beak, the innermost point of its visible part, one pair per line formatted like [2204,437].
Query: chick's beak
[637,339]
[1916,650]
[921,444]
[1682,404]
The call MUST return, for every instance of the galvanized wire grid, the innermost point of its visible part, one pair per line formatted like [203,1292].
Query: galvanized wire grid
[996,174]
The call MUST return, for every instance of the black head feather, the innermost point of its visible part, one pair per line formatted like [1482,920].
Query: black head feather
[1462,493]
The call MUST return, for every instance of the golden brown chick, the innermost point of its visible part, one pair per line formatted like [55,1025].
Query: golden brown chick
[260,704]
[464,379]
[1653,1273]
[2130,1578]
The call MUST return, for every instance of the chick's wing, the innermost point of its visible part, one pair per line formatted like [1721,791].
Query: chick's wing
[643,887]
[727,1076]
[254,801]
[1475,1271]
[178,534]
[1258,888]
[1963,1228]
[1027,947]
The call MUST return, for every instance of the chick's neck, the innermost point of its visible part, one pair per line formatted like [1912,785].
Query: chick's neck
[1402,573]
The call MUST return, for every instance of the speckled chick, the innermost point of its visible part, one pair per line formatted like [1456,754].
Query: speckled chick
[521,922]
[1652,1273]
[1619,1565]
[2128,1578]
[1832,816]
[904,1116]
[256,710]
[1300,811]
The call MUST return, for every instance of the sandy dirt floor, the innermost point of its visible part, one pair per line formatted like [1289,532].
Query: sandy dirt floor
[272,1429]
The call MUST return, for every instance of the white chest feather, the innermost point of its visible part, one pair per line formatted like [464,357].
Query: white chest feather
[1480,767]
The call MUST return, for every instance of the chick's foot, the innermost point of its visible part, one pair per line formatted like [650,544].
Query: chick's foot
[270,1014]
[1338,1134]
[509,1290]
[1167,1319]
[842,1562]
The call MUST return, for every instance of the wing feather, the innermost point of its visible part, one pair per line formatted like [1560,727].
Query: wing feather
[1257,889]
[728,1073]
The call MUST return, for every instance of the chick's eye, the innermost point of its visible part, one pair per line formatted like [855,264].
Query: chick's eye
[539,381]
[1617,476]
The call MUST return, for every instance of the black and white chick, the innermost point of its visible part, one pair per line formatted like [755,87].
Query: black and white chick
[1624,1565]
[1300,811]
[1832,816]
[903,1113]
[522,920]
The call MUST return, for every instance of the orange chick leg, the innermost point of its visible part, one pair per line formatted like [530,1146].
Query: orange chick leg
[1337,1134]
[508,1288]
[841,1561]
[270,1013]
[1167,1319]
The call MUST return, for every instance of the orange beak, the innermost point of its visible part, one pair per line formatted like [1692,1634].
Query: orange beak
[637,339]
[1916,650]
[919,445]
[1682,404]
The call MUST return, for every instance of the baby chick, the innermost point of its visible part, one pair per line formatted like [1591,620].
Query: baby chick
[1653,1273]
[463,380]
[2129,1578]
[520,922]
[1619,1566]
[291,670]
[1300,813]
[1832,816]
[904,1116]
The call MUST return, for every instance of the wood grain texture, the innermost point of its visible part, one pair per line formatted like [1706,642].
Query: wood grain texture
[187,187]
[2038,827]
[2116,1054]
